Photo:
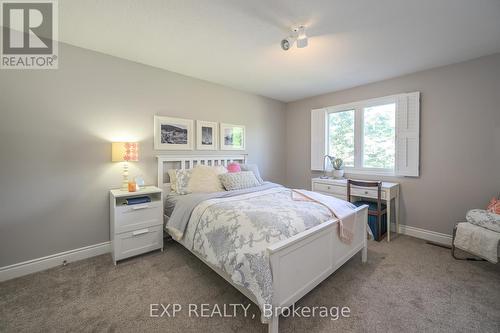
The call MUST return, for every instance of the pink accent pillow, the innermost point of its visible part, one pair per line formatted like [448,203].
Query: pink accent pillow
[233,167]
[494,206]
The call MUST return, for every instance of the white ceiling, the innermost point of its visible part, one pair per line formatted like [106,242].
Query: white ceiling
[237,42]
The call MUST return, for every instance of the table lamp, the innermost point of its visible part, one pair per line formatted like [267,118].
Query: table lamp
[125,152]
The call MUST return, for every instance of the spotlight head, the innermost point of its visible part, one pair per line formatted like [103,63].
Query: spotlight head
[287,43]
[298,35]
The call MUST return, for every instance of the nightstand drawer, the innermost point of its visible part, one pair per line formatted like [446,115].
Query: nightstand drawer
[133,217]
[365,192]
[139,241]
[332,189]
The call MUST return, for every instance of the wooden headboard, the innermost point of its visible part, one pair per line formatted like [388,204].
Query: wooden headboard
[166,162]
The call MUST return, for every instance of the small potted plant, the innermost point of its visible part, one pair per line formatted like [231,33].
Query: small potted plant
[338,168]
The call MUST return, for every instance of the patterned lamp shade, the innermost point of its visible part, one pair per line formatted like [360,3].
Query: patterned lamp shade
[125,151]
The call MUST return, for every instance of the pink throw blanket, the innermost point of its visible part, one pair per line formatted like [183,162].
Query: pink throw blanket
[340,209]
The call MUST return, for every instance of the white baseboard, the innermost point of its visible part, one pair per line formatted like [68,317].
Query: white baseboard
[41,264]
[428,235]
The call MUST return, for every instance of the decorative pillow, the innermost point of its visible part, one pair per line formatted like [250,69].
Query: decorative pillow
[182,180]
[233,167]
[254,168]
[239,180]
[206,179]
[173,179]
[494,206]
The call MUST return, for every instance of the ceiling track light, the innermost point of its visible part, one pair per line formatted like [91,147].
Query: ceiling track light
[298,35]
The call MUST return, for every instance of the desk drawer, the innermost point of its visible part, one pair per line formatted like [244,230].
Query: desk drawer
[133,217]
[366,192]
[330,189]
[338,196]
[139,241]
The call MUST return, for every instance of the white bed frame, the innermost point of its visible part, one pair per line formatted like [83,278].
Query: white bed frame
[298,264]
[166,162]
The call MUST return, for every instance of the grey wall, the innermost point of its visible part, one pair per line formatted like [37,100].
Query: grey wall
[460,140]
[55,132]
[56,128]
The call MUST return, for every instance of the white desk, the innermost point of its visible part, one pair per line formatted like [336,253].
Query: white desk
[338,189]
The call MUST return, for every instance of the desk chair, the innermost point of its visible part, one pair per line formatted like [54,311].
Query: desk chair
[377,211]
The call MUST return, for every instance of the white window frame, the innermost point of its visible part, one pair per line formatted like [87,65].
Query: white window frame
[358,108]
[407,163]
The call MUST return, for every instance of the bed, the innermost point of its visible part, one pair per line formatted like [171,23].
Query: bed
[277,269]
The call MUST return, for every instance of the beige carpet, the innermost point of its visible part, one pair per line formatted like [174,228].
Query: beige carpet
[406,286]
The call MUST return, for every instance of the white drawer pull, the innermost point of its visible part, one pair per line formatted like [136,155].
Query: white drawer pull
[140,207]
[140,232]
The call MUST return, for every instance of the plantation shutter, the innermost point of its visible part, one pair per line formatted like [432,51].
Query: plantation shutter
[318,138]
[408,134]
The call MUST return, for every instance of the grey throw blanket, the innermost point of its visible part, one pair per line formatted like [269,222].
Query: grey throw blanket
[176,225]
[483,218]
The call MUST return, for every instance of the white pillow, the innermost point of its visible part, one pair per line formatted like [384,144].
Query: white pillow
[239,180]
[205,179]
[254,168]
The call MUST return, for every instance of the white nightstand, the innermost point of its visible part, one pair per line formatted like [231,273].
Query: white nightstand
[135,229]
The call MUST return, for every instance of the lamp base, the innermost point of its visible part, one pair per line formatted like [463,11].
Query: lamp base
[125,177]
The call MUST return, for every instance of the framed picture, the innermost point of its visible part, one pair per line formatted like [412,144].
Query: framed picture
[173,133]
[206,135]
[232,137]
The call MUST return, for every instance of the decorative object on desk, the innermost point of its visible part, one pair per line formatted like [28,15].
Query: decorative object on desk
[338,168]
[173,133]
[125,152]
[206,135]
[232,137]
[326,166]
[139,181]
[138,200]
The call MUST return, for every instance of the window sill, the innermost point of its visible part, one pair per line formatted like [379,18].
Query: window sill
[371,172]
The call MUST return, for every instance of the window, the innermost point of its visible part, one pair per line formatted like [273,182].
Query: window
[371,144]
[377,136]
[341,136]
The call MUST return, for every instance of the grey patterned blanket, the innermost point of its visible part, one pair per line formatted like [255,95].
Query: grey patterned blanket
[185,205]
[233,233]
[483,218]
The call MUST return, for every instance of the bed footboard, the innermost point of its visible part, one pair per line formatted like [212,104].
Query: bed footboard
[300,263]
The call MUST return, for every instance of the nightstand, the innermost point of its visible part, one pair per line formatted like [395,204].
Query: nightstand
[135,229]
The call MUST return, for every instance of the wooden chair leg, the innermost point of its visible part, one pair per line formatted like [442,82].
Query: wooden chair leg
[379,222]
